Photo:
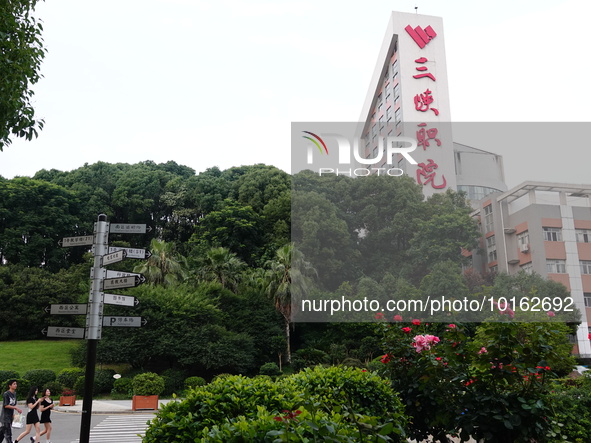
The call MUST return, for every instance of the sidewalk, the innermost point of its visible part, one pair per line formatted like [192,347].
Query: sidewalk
[107,407]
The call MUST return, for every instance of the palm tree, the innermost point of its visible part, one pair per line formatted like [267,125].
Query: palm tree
[164,266]
[287,282]
[222,266]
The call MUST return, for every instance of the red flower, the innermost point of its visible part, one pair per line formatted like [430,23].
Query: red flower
[386,358]
[589,336]
[416,322]
[406,330]
[451,326]
[398,317]
[379,316]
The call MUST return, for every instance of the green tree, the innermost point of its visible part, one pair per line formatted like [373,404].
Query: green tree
[287,283]
[235,227]
[21,54]
[164,266]
[34,217]
[221,266]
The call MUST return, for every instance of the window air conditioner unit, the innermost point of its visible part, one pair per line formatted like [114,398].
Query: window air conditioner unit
[524,248]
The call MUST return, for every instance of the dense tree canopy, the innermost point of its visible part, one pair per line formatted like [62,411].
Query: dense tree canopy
[21,54]
[232,251]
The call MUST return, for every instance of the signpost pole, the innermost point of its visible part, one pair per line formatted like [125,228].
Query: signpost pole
[93,322]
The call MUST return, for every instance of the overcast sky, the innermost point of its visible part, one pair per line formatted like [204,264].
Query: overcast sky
[209,83]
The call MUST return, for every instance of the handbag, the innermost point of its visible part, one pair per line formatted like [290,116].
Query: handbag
[18,420]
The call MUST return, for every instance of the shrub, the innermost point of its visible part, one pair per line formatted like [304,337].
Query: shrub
[55,388]
[7,375]
[343,388]
[221,376]
[124,387]
[237,408]
[571,401]
[39,377]
[79,386]
[174,381]
[148,383]
[270,369]
[67,377]
[103,381]
[194,382]
[22,390]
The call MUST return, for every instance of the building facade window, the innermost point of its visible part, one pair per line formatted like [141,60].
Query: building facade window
[583,235]
[587,297]
[552,234]
[585,267]
[491,248]
[396,91]
[488,219]
[528,268]
[523,240]
[555,266]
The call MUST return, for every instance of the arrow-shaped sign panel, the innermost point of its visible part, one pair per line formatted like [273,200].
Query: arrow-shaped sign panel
[125,322]
[128,228]
[115,274]
[123,282]
[132,252]
[63,332]
[120,300]
[113,257]
[67,309]
[83,240]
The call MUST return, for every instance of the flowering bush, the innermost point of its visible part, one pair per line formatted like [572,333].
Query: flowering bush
[486,381]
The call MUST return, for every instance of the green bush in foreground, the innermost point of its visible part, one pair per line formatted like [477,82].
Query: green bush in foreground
[321,404]
[571,402]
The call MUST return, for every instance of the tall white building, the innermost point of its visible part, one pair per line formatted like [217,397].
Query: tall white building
[409,96]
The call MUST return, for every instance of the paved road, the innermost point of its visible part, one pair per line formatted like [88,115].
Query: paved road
[104,427]
[119,428]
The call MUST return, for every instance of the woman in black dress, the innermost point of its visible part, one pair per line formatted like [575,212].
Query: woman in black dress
[46,405]
[32,417]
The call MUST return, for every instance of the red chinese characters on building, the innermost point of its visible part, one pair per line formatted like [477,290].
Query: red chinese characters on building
[423,102]
[423,69]
[428,173]
[425,134]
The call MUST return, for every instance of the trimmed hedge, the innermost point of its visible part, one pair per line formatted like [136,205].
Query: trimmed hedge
[321,404]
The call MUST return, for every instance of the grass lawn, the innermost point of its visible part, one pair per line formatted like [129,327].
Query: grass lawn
[22,356]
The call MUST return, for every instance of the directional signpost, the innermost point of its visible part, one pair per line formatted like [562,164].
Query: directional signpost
[128,228]
[123,282]
[132,252]
[113,257]
[76,309]
[117,274]
[58,331]
[85,240]
[121,300]
[126,322]
[101,280]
